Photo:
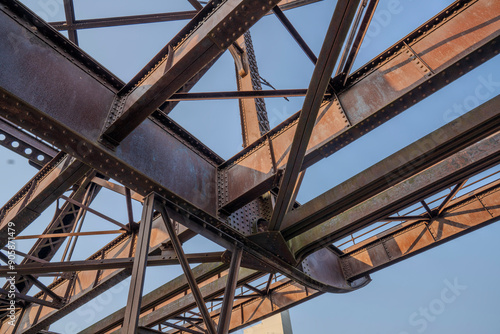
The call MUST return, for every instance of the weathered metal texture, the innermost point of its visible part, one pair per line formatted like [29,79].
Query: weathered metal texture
[35,80]
[219,28]
[349,56]
[325,265]
[166,294]
[257,94]
[186,302]
[52,118]
[385,87]
[44,249]
[227,304]
[448,172]
[36,151]
[195,290]
[327,59]
[49,183]
[447,140]
[283,295]
[253,115]
[243,219]
[92,283]
[227,238]
[256,181]
[96,154]
[464,215]
[133,308]
[105,264]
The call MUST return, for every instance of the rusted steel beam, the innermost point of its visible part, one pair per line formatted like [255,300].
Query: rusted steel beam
[187,302]
[425,152]
[92,283]
[448,172]
[123,20]
[219,28]
[195,290]
[244,183]
[464,215]
[290,4]
[147,18]
[167,293]
[119,189]
[133,308]
[30,299]
[327,59]
[55,178]
[350,54]
[79,133]
[227,303]
[457,40]
[44,249]
[104,264]
[68,234]
[243,94]
[95,212]
[38,152]
[295,34]
[253,114]
[284,294]
[31,279]
[69,11]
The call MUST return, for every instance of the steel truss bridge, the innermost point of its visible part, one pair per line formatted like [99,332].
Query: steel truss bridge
[279,253]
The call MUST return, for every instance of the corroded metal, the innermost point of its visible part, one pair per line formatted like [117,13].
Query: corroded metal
[52,89]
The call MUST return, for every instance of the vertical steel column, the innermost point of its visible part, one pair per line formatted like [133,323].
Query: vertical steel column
[337,31]
[227,304]
[69,10]
[187,271]
[130,212]
[253,113]
[139,268]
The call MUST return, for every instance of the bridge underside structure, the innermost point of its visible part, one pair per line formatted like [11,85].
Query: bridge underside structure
[86,130]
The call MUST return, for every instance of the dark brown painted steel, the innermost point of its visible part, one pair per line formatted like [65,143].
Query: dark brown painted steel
[44,249]
[104,264]
[165,294]
[425,152]
[28,146]
[462,37]
[328,56]
[123,20]
[464,215]
[353,52]
[187,271]
[295,34]
[466,163]
[69,11]
[237,95]
[91,106]
[31,299]
[133,308]
[216,33]
[40,192]
[227,304]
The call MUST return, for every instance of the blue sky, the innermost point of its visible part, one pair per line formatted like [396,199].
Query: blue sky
[396,300]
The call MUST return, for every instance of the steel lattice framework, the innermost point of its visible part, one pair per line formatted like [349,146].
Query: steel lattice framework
[111,130]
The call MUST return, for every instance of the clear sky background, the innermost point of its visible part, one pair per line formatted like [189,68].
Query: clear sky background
[396,300]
